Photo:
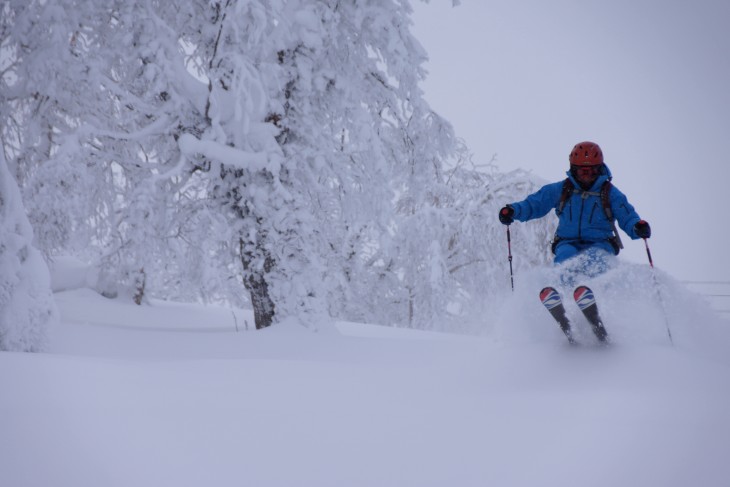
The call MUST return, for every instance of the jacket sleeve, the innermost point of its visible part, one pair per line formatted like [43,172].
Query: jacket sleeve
[624,213]
[538,204]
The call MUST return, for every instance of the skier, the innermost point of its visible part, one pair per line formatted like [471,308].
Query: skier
[587,206]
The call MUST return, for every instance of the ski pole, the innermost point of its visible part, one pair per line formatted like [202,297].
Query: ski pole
[509,257]
[658,293]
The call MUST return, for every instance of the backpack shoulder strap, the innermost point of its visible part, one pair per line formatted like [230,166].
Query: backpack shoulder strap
[564,195]
[606,200]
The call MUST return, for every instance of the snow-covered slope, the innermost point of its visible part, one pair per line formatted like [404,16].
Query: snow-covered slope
[183,395]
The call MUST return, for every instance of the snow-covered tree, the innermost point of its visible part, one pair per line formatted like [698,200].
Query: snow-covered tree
[475,248]
[26,303]
[194,148]
[97,147]
[312,107]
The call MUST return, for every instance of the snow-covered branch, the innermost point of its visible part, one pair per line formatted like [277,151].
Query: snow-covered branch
[230,156]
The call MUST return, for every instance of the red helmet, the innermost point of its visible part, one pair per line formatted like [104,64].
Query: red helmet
[586,154]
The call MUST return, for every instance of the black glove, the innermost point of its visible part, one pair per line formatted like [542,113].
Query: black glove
[505,215]
[642,229]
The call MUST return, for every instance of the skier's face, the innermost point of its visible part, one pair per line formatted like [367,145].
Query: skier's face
[586,175]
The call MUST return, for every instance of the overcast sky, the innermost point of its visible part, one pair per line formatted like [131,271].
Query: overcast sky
[648,80]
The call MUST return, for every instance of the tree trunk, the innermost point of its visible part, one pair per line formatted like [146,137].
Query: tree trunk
[139,286]
[255,283]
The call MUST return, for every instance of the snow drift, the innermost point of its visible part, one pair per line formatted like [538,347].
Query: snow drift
[184,395]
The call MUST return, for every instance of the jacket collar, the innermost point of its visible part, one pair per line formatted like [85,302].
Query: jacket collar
[606,176]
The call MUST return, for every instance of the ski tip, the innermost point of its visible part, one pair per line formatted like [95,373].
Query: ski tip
[584,297]
[550,297]
[546,291]
[580,290]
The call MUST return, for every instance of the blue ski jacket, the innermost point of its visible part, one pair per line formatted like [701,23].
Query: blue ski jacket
[583,222]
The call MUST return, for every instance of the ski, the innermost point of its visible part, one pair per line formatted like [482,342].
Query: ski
[586,301]
[552,301]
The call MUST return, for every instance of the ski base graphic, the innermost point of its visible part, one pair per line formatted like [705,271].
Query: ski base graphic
[586,301]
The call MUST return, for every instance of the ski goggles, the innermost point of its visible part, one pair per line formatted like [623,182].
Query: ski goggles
[586,171]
